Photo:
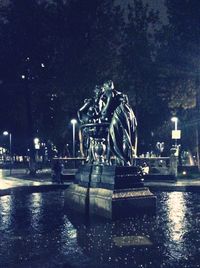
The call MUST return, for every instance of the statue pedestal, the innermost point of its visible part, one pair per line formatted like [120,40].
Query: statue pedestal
[114,204]
[109,177]
[109,191]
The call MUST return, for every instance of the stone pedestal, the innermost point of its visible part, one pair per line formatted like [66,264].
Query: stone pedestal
[114,204]
[109,177]
[109,191]
[77,198]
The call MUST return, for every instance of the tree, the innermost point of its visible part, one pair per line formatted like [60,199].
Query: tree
[54,52]
[139,75]
[179,61]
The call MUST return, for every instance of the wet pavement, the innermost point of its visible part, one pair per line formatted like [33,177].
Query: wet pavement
[37,231]
[21,181]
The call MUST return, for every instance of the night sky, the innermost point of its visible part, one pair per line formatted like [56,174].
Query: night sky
[53,56]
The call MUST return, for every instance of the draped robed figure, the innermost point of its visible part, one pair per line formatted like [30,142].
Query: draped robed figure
[110,108]
[122,135]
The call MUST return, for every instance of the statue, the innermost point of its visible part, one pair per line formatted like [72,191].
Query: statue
[88,114]
[122,130]
[107,121]
[108,184]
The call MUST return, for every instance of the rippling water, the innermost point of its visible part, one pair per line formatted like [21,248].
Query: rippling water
[36,231]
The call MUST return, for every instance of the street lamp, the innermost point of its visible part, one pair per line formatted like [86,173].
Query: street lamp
[6,133]
[74,121]
[36,143]
[37,147]
[175,120]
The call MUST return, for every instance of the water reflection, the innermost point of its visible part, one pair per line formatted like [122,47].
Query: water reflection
[137,240]
[176,208]
[177,225]
[37,232]
[35,209]
[69,245]
[117,243]
[6,211]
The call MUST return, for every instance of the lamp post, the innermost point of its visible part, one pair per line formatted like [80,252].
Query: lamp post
[37,147]
[74,121]
[175,120]
[6,133]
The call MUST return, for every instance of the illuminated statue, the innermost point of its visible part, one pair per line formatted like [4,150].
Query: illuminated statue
[88,114]
[122,130]
[108,127]
[109,184]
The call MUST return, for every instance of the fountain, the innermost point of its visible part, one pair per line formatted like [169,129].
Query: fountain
[108,184]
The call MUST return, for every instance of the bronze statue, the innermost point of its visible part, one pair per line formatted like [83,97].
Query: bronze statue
[108,121]
[122,131]
[88,114]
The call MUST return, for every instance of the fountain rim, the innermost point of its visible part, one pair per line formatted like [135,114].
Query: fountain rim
[57,187]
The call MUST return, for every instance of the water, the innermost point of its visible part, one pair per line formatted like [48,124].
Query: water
[36,231]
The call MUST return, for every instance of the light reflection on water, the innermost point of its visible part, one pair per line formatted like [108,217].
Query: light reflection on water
[177,225]
[176,208]
[35,209]
[40,232]
[6,211]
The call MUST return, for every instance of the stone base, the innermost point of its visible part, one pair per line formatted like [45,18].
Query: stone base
[121,203]
[77,198]
[109,177]
[108,203]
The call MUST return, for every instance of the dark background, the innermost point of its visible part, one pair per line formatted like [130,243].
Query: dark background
[53,53]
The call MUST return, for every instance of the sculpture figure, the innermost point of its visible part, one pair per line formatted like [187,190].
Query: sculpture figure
[122,130]
[87,114]
[108,184]
[108,117]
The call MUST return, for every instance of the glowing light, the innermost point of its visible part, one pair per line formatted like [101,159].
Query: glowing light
[2,151]
[73,121]
[174,119]
[37,143]
[5,133]
[23,76]
[36,140]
